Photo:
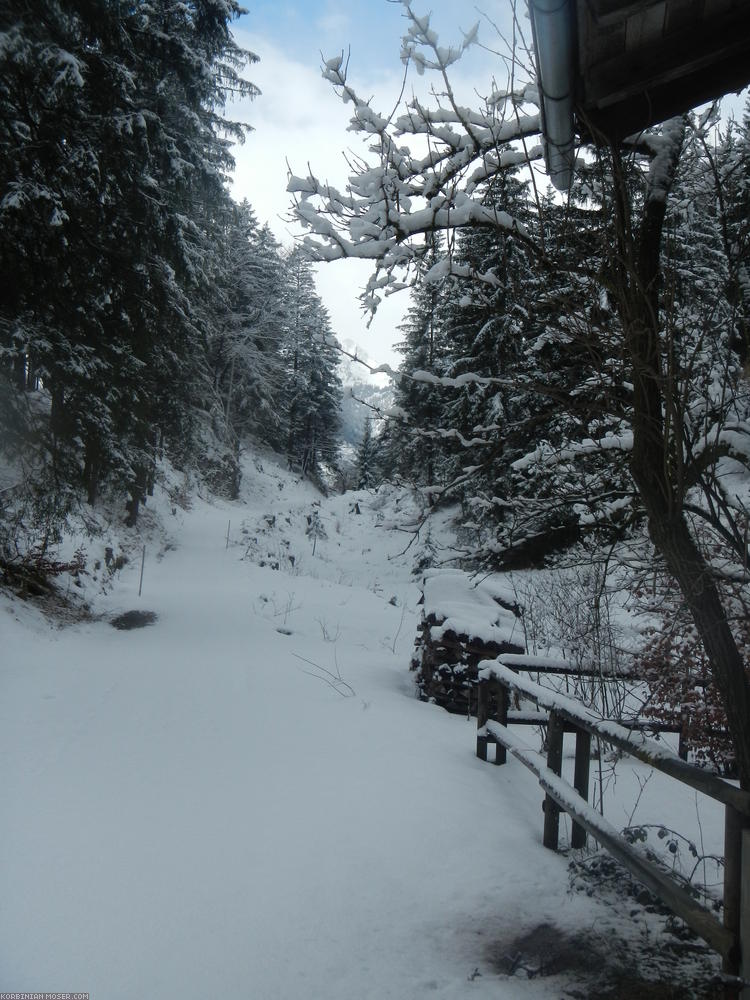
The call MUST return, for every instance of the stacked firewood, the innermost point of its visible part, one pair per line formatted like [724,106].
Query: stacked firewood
[465,619]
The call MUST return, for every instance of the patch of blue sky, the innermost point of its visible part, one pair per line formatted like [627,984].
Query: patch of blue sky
[371,29]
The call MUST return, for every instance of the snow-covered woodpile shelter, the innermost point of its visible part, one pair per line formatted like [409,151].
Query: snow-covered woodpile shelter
[610,68]
[465,619]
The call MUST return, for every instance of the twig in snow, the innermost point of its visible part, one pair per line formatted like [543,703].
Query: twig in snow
[400,626]
[328,634]
[334,680]
[642,784]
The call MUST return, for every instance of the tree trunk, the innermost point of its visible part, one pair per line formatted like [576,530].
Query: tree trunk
[19,371]
[653,469]
[137,496]
[91,471]
[673,540]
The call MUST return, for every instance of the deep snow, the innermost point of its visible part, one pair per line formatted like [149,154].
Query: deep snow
[200,809]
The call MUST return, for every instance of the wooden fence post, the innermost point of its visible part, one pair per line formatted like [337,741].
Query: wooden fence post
[554,763]
[745,913]
[581,781]
[733,824]
[501,754]
[483,711]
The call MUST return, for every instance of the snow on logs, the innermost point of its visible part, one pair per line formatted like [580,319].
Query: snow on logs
[465,619]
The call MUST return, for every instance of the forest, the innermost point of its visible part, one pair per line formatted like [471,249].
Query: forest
[574,369]
[143,312]
[569,426]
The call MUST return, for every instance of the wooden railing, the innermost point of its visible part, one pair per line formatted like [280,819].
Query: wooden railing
[497,678]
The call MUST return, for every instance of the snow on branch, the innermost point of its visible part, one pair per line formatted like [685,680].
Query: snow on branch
[421,35]
[665,148]
[545,454]
[459,382]
[424,168]
[731,439]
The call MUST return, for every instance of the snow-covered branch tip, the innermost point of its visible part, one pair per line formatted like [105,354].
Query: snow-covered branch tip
[421,36]
[446,381]
[425,171]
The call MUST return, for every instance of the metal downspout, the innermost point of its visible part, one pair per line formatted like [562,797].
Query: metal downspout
[554,43]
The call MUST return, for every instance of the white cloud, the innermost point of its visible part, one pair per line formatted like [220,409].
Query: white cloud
[335,23]
[299,121]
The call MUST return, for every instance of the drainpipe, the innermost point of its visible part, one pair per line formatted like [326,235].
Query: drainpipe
[552,24]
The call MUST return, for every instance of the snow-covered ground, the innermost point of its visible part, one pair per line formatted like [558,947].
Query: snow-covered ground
[245,799]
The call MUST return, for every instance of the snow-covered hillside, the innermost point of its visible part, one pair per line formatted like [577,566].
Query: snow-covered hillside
[245,799]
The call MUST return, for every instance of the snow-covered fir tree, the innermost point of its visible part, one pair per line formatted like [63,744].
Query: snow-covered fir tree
[311,395]
[365,458]
[247,335]
[410,447]
[113,158]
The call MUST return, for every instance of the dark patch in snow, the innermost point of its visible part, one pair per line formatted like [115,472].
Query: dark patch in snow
[608,963]
[134,619]
[543,951]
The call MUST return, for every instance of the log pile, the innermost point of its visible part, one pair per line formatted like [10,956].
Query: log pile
[465,619]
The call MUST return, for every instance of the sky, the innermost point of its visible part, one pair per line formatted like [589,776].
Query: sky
[299,121]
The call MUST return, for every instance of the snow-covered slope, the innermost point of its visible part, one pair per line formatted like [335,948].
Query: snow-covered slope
[245,799]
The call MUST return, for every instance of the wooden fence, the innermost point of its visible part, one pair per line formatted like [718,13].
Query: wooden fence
[497,678]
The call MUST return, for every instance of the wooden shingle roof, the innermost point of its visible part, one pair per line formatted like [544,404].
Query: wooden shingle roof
[610,68]
[640,62]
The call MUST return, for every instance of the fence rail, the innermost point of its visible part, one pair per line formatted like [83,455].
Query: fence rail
[497,678]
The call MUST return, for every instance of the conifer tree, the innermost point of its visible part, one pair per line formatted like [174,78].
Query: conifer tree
[312,390]
[113,153]
[486,319]
[365,457]
[409,449]
[245,346]
[731,174]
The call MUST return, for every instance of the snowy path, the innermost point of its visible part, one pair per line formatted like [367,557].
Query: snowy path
[188,814]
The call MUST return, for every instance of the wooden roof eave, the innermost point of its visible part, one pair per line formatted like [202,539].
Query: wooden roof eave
[667,68]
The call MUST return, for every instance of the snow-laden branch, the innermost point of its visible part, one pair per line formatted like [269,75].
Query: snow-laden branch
[459,382]
[731,439]
[425,168]
[545,454]
[665,148]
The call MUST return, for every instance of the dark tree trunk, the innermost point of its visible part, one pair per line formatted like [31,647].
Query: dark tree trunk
[57,412]
[137,496]
[19,371]
[156,440]
[91,471]
[652,462]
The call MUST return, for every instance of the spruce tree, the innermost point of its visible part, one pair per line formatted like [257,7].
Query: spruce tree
[312,389]
[247,332]
[411,445]
[113,156]
[365,458]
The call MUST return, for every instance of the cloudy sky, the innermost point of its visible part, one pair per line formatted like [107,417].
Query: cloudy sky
[298,119]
